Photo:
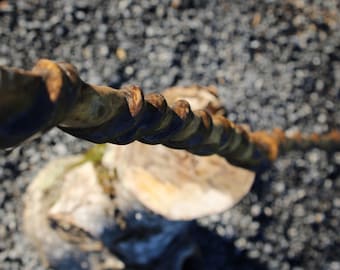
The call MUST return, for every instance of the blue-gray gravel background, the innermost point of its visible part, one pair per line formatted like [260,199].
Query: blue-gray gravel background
[275,63]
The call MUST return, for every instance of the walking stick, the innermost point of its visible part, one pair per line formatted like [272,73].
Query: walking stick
[52,94]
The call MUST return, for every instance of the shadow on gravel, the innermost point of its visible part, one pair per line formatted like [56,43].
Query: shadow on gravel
[218,253]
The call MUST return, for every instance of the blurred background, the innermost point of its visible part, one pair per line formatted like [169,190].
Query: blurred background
[274,63]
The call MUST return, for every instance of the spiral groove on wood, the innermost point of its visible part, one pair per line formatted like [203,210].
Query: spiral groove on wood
[52,94]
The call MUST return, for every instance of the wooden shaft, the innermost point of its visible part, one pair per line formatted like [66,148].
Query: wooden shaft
[53,94]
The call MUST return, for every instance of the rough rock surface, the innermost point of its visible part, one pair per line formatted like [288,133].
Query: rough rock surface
[276,63]
[93,213]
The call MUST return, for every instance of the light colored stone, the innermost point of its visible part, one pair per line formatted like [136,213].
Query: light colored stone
[175,183]
[82,202]
[199,97]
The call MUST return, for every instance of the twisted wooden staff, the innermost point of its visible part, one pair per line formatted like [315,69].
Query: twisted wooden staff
[52,94]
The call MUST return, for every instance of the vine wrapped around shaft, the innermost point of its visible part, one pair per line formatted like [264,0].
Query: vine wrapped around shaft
[52,94]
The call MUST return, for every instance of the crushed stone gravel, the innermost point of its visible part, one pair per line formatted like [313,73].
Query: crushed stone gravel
[275,63]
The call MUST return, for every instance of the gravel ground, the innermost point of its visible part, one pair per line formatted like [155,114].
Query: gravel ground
[275,63]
